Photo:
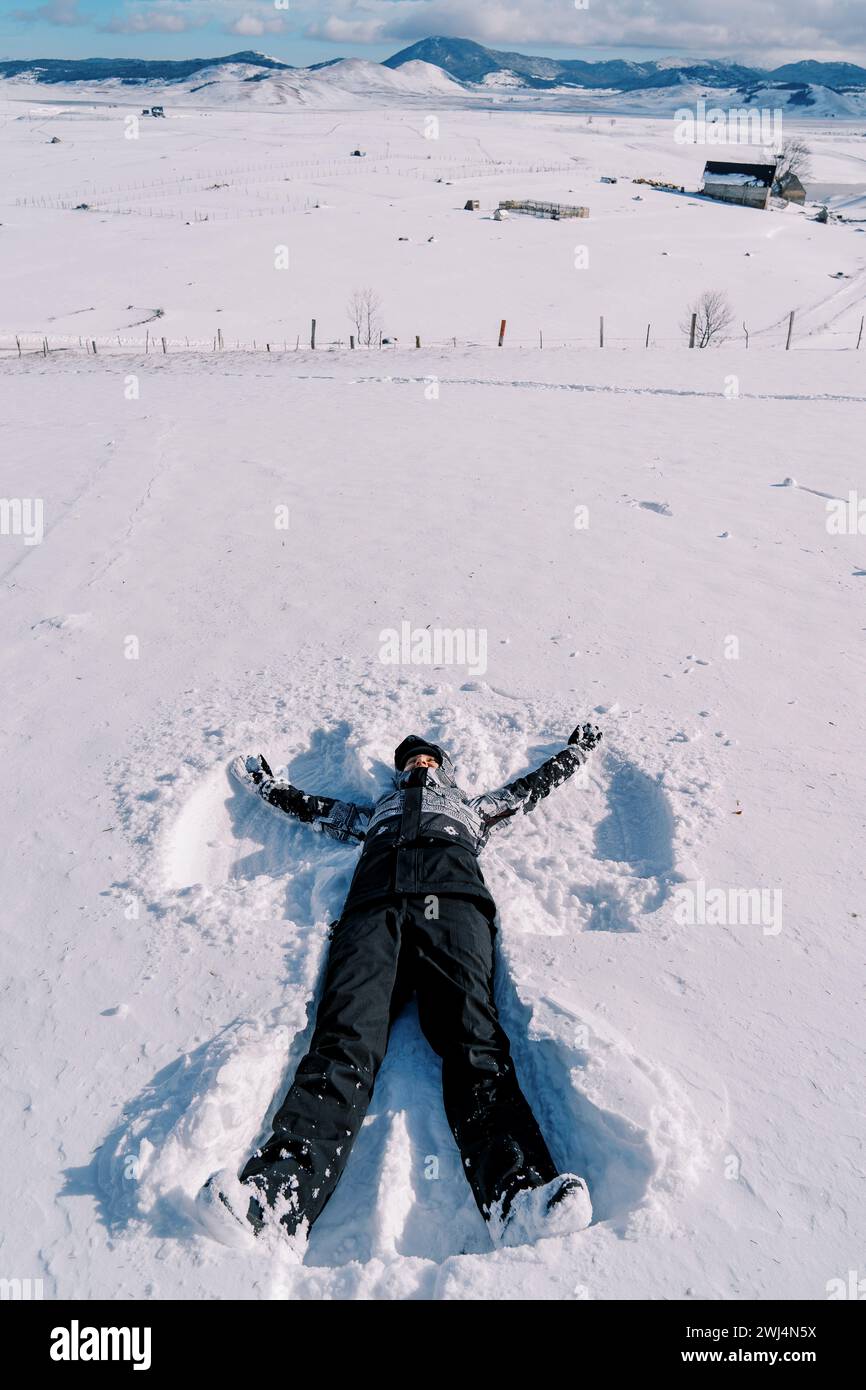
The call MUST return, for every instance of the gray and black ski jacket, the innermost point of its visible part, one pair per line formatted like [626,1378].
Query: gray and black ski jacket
[423,836]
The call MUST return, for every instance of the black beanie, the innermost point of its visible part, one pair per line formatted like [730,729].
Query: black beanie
[412,745]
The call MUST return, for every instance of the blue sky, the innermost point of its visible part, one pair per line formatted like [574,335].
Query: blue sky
[763,32]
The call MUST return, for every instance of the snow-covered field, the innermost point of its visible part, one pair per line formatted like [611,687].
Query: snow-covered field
[295,224]
[224,538]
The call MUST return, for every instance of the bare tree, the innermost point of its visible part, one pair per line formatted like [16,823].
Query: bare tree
[714,314]
[363,310]
[792,158]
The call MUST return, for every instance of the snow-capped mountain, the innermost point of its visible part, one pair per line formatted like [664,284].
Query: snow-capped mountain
[242,80]
[347,82]
[463,60]
[451,69]
[473,63]
[807,99]
[129,71]
[413,78]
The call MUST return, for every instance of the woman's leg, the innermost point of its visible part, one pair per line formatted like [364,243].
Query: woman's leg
[319,1119]
[500,1142]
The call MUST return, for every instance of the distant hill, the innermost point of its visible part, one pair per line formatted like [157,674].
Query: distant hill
[838,75]
[459,68]
[127,70]
[472,62]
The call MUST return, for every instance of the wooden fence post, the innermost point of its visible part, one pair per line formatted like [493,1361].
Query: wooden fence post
[352,341]
[601,331]
[417,340]
[313,334]
[164,348]
[790,331]
[694,325]
[18,341]
[746,331]
[648,327]
[501,334]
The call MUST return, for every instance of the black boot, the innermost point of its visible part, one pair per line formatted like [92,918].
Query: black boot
[272,1174]
[500,1170]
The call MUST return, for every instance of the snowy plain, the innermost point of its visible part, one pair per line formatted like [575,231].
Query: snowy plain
[617,522]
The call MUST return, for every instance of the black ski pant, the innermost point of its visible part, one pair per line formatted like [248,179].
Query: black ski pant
[378,957]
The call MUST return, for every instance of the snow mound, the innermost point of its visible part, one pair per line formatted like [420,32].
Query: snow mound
[413,78]
[809,100]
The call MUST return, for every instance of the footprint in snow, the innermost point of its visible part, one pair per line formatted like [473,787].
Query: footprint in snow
[63,622]
[660,508]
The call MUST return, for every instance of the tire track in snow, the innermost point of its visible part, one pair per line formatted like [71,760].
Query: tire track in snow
[590,388]
[204,362]
[165,459]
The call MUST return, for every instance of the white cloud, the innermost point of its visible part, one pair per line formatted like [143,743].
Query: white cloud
[252,26]
[761,32]
[183,16]
[161,21]
[757,31]
[64,13]
[337,30]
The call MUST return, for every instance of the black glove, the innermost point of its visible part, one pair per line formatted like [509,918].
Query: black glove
[258,768]
[586,737]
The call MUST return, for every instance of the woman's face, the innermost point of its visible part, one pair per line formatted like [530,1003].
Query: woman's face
[420,760]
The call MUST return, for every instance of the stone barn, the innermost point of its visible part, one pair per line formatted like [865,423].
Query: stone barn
[792,190]
[734,182]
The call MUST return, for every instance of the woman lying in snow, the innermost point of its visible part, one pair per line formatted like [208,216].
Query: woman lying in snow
[418,918]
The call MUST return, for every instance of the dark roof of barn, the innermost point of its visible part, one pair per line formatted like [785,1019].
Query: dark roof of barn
[761,173]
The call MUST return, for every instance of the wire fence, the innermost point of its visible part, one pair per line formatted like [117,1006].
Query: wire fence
[139,197]
[278,342]
[276,206]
